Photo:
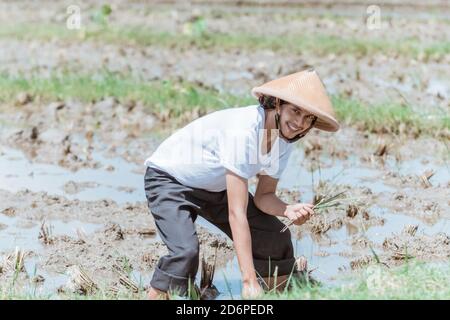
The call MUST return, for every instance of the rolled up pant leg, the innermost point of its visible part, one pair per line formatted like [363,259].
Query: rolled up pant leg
[271,249]
[174,213]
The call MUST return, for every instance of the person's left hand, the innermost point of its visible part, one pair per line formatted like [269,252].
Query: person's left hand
[299,213]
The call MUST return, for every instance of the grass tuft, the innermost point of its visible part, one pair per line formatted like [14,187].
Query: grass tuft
[200,37]
[412,281]
[174,99]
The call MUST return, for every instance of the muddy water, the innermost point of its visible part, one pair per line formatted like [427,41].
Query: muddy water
[332,256]
[22,233]
[329,254]
[121,184]
[354,171]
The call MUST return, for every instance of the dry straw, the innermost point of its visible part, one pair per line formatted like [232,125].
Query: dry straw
[80,281]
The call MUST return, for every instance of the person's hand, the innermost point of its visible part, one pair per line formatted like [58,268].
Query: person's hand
[299,213]
[251,290]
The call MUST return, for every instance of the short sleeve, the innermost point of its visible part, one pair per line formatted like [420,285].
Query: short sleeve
[238,152]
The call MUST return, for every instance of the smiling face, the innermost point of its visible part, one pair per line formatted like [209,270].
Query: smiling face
[294,120]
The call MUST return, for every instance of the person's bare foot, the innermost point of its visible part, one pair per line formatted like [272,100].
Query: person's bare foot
[155,294]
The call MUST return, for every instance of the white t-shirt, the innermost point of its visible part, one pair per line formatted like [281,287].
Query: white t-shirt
[198,154]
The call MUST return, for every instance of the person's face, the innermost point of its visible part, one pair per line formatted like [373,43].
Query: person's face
[294,120]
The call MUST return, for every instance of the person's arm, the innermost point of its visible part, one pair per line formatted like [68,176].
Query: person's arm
[237,192]
[265,198]
[267,201]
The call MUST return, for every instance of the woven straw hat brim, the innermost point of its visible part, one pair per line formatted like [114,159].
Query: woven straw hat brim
[320,106]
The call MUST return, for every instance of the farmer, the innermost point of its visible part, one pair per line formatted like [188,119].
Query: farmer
[203,169]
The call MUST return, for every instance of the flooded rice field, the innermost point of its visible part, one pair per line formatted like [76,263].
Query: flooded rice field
[98,218]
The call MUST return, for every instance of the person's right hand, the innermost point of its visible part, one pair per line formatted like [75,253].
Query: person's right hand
[251,290]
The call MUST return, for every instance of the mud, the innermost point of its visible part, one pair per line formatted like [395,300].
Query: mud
[335,241]
[418,82]
[387,196]
[387,187]
[109,235]
[372,79]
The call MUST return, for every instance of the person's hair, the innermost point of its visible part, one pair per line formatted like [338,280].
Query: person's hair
[268,102]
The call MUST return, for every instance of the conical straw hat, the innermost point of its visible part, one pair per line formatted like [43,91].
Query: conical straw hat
[306,90]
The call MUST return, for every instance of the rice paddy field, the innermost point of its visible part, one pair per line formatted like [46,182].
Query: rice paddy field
[88,92]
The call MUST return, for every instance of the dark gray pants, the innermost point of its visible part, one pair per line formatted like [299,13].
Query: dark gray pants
[175,207]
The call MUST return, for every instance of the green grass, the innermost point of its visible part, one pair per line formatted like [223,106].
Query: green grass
[175,99]
[200,37]
[412,281]
[389,118]
[158,96]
